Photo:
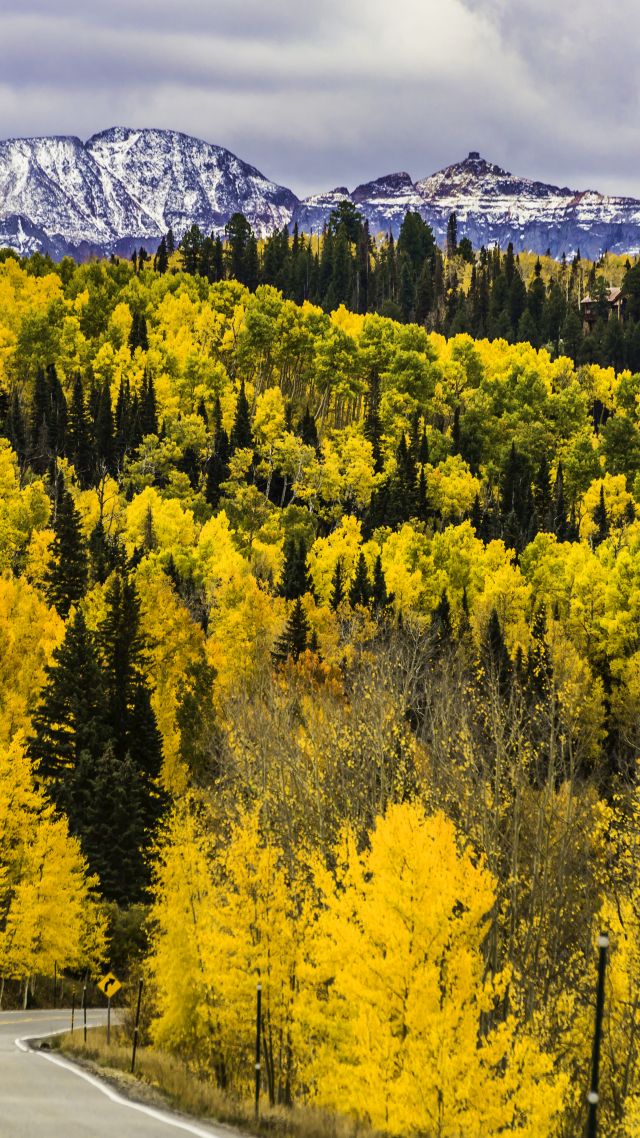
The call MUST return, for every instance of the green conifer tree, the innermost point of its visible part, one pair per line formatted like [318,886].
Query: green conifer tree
[71,717]
[337,586]
[66,575]
[360,591]
[295,638]
[241,434]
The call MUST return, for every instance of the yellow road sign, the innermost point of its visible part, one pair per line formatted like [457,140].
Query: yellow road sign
[109,984]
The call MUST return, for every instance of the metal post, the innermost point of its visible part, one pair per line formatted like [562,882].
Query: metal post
[55,982]
[135,1030]
[84,1010]
[108,1020]
[258,1034]
[593,1096]
[73,1008]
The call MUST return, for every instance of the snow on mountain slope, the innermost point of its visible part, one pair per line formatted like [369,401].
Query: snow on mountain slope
[126,187]
[494,207]
[58,187]
[182,181]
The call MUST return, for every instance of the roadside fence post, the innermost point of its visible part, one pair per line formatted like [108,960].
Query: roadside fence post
[136,1028]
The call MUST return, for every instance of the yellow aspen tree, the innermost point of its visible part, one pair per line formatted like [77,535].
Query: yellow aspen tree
[48,911]
[404,1032]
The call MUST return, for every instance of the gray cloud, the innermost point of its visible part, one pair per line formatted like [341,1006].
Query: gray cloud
[334,93]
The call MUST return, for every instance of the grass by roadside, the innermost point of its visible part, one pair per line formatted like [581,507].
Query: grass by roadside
[163,1080]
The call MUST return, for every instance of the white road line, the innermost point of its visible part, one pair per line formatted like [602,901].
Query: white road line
[105,1089]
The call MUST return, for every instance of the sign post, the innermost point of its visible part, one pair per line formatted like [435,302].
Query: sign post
[136,1028]
[109,985]
[73,1008]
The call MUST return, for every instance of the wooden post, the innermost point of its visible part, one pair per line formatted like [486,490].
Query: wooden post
[136,1028]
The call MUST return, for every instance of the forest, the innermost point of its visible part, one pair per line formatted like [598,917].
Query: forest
[320,663]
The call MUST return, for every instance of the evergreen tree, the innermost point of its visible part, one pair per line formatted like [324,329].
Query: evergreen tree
[379,595]
[66,575]
[337,586]
[441,625]
[296,579]
[360,591]
[103,433]
[138,334]
[560,521]
[148,411]
[78,438]
[218,464]
[308,431]
[543,496]
[71,717]
[108,808]
[241,434]
[124,659]
[295,638]
[496,655]
[161,259]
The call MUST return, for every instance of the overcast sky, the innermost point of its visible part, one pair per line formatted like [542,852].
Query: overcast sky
[319,93]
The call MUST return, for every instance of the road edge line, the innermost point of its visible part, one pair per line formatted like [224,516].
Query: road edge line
[24,1044]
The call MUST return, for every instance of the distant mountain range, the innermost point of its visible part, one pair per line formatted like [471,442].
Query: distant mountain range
[125,188]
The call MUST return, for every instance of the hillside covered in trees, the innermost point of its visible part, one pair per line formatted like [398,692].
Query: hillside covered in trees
[321,656]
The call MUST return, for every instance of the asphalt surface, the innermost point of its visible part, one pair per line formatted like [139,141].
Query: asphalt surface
[42,1095]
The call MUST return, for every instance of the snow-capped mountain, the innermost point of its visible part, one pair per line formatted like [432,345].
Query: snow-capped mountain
[124,188]
[494,207]
[127,187]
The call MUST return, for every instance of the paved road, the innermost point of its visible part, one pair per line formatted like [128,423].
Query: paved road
[43,1096]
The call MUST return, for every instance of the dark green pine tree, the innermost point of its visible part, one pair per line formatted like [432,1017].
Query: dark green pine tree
[601,518]
[161,259]
[295,638]
[57,412]
[379,594]
[560,520]
[66,575]
[422,500]
[106,554]
[72,716]
[296,580]
[138,337]
[78,438]
[441,625]
[148,410]
[123,424]
[401,498]
[103,433]
[241,434]
[308,431]
[497,659]
[108,808]
[543,496]
[218,464]
[360,591]
[123,651]
[337,586]
[516,500]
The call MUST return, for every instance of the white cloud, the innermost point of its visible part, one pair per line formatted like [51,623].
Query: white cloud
[324,94]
